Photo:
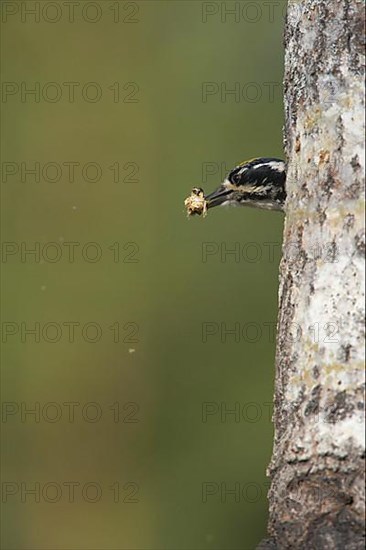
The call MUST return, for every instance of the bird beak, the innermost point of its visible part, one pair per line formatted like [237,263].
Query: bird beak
[217,197]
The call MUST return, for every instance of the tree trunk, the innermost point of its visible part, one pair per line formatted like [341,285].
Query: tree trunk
[317,467]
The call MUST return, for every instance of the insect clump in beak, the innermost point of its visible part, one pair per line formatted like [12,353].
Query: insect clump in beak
[196,203]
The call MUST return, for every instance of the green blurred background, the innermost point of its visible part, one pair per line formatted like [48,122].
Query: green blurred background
[162,449]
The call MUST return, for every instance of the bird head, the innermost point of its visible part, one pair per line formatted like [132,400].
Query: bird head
[258,182]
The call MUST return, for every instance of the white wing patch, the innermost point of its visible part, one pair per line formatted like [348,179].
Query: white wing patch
[279,166]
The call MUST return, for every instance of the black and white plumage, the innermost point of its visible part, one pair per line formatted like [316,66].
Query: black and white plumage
[257,182]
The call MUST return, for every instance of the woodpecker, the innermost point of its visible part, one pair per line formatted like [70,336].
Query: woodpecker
[258,182]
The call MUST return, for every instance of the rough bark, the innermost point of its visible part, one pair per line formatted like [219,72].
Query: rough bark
[317,467]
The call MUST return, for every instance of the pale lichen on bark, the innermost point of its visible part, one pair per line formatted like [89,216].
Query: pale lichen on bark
[317,493]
